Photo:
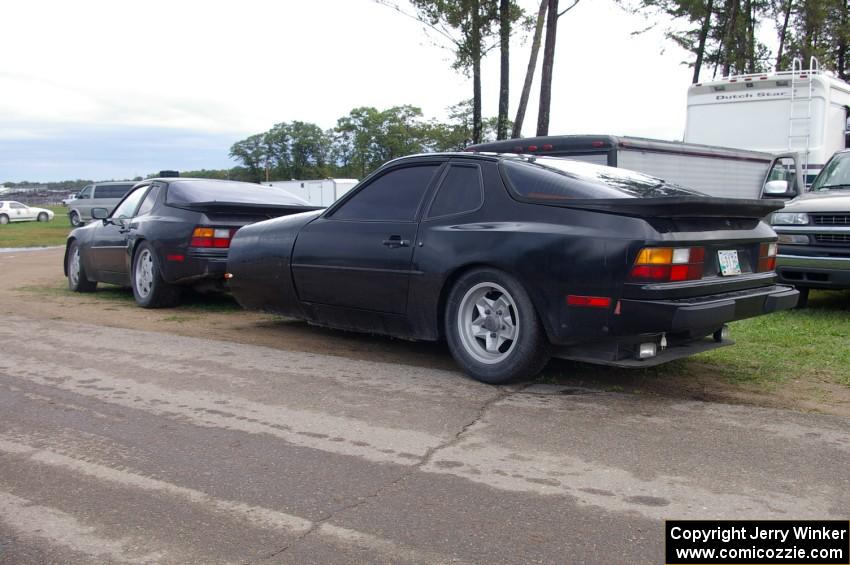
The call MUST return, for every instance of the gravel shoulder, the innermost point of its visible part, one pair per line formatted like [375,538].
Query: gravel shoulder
[33,285]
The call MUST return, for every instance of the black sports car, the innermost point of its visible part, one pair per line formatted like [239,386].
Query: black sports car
[512,259]
[168,233]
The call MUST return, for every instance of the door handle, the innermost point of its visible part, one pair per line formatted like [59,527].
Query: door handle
[396,241]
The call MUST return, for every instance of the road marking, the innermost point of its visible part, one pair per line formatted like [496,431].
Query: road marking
[257,515]
[58,528]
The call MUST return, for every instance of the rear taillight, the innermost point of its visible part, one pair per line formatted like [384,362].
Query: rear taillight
[668,264]
[218,238]
[767,257]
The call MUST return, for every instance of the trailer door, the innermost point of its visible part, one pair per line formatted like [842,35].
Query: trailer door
[711,174]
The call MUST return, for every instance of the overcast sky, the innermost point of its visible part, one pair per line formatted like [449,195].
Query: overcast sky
[105,89]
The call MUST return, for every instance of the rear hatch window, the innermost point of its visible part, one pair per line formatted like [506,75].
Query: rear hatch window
[552,180]
[189,192]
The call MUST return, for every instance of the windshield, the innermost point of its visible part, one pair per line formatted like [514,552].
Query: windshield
[836,174]
[565,179]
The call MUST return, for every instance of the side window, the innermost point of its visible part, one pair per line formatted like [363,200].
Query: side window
[149,201]
[128,206]
[86,192]
[112,191]
[459,192]
[18,205]
[393,197]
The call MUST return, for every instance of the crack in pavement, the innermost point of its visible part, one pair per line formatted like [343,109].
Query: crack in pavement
[426,458]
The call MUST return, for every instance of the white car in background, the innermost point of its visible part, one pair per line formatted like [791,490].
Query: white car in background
[11,211]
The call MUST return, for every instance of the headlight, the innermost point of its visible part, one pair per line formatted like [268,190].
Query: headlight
[793,239]
[789,219]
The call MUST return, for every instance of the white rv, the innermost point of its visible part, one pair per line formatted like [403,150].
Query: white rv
[322,192]
[804,111]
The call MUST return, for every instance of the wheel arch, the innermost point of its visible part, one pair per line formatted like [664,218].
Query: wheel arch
[131,253]
[65,259]
[457,273]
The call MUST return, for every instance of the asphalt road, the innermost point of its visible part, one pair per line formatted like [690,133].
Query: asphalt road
[133,446]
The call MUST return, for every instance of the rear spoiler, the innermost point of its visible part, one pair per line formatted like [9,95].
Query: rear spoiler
[246,207]
[674,206]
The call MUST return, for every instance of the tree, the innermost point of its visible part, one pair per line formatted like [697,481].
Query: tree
[549,65]
[516,131]
[467,26]
[815,28]
[721,33]
[253,153]
[705,28]
[367,137]
[506,8]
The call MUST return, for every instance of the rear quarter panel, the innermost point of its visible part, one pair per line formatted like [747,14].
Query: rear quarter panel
[259,260]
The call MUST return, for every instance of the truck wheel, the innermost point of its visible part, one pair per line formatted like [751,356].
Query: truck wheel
[74,217]
[803,301]
[149,289]
[77,280]
[492,329]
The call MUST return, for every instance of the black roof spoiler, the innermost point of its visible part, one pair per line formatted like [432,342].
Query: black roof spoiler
[674,206]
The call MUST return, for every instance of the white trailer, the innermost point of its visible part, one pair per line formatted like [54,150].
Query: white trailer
[804,111]
[322,192]
[717,171]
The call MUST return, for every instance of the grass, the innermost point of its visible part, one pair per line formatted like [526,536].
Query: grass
[811,343]
[37,234]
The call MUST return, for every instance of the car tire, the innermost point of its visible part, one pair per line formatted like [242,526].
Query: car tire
[149,288]
[492,328]
[803,300]
[4,219]
[77,279]
[42,217]
[75,220]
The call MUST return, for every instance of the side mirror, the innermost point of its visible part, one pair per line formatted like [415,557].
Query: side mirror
[776,188]
[99,213]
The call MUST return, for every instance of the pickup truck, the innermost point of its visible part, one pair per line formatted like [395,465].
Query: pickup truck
[814,232]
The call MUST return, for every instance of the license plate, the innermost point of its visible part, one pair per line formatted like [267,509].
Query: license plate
[729,264]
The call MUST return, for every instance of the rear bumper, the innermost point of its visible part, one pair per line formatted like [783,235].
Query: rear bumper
[678,328]
[701,313]
[814,272]
[195,266]
[618,354]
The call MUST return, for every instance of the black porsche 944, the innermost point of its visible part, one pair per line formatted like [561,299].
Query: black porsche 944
[167,234]
[513,259]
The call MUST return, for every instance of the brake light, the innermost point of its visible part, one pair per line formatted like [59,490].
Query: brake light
[767,257]
[218,238]
[668,264]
